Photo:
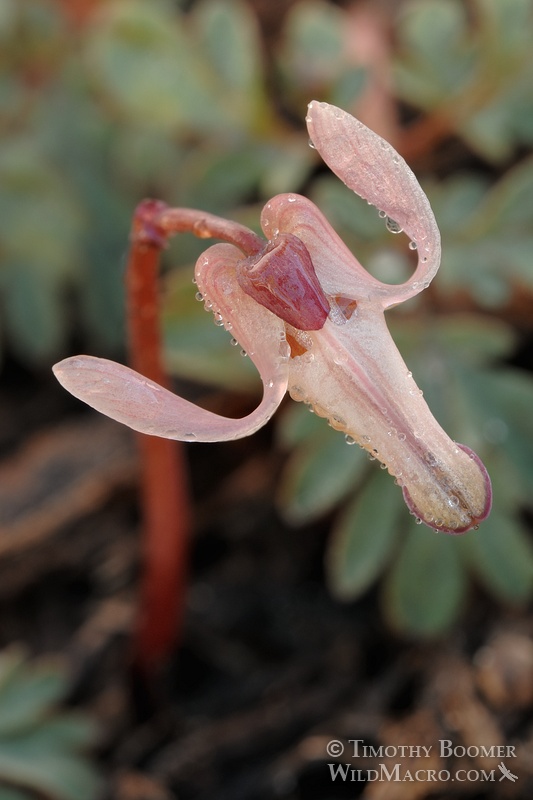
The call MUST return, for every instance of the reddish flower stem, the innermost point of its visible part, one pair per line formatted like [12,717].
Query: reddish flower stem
[165,491]
[165,497]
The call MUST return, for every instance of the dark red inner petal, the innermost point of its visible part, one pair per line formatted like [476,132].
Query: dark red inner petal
[283,279]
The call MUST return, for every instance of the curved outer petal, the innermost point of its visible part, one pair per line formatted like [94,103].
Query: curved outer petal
[125,396]
[337,269]
[369,165]
[354,375]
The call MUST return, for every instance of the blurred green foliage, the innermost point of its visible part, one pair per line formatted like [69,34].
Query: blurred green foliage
[41,746]
[145,99]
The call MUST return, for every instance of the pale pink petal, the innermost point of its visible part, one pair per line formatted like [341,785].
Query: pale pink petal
[354,375]
[127,397]
[369,166]
[337,269]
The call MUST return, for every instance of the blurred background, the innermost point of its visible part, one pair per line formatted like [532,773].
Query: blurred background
[317,609]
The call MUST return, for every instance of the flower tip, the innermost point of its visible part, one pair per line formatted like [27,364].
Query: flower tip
[465,507]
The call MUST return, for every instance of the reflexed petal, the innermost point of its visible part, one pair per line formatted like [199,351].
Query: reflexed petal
[354,375]
[126,396]
[336,267]
[369,165]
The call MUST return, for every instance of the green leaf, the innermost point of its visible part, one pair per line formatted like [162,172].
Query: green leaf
[58,777]
[295,425]
[501,401]
[437,57]
[318,475]
[141,56]
[312,55]
[28,694]
[425,588]
[228,37]
[14,794]
[40,745]
[501,555]
[363,539]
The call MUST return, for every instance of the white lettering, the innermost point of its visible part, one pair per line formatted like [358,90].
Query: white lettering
[356,743]
[393,775]
[445,748]
[339,769]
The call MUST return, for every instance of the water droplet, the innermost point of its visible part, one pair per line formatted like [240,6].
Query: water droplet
[402,437]
[189,436]
[297,393]
[418,521]
[366,439]
[383,466]
[382,214]
[412,245]
[311,145]
[244,353]
[199,296]
[453,501]
[393,226]
[194,281]
[337,423]
[291,199]
[234,342]
[349,439]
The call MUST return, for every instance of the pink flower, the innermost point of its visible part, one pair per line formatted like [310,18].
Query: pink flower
[312,320]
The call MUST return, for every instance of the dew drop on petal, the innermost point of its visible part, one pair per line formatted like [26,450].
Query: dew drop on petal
[199,296]
[349,439]
[412,245]
[393,226]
